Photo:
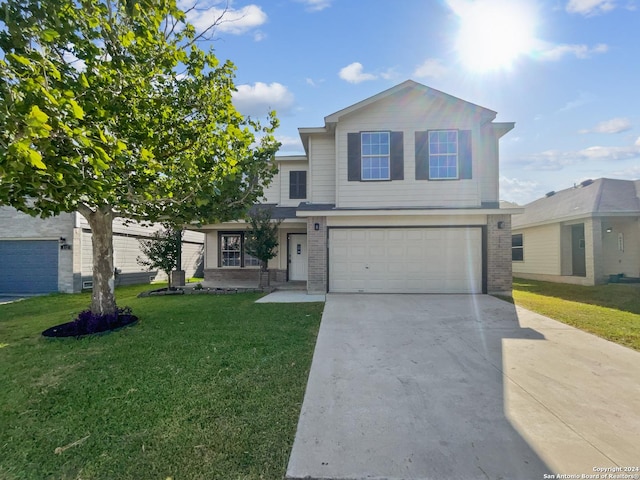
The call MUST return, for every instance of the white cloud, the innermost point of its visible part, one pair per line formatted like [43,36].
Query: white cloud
[353,73]
[230,20]
[316,5]
[615,125]
[258,99]
[555,52]
[430,68]
[590,7]
[314,83]
[519,191]
[289,144]
[583,99]
[557,160]
[258,36]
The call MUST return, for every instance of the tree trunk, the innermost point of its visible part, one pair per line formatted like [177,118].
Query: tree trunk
[103,300]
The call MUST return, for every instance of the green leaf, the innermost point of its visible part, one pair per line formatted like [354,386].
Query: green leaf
[49,35]
[76,109]
[35,159]
[145,154]
[83,81]
[20,59]
[36,117]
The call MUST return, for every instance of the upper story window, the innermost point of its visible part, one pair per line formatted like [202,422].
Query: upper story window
[517,247]
[375,155]
[298,184]
[443,154]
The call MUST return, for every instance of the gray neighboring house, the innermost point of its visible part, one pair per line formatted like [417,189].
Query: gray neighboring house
[54,254]
[582,235]
[397,193]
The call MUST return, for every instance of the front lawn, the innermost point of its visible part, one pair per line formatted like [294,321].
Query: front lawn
[203,387]
[610,311]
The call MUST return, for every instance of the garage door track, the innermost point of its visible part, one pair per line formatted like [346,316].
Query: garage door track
[461,386]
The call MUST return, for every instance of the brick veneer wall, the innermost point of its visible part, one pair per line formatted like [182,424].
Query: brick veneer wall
[317,252]
[229,275]
[499,275]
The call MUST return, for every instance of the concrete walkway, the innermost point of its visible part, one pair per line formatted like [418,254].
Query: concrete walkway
[464,387]
[290,296]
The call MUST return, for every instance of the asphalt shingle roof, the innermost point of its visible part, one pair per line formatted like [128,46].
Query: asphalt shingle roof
[601,197]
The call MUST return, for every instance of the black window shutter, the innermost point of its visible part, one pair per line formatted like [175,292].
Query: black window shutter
[397,156]
[298,184]
[354,173]
[464,154]
[422,155]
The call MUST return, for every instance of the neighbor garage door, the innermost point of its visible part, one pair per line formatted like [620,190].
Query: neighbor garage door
[405,260]
[28,266]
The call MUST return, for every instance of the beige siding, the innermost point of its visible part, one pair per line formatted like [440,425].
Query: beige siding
[486,164]
[415,113]
[272,192]
[541,250]
[322,169]
[621,254]
[285,168]
[406,221]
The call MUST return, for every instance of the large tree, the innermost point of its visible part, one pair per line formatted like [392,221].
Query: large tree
[113,109]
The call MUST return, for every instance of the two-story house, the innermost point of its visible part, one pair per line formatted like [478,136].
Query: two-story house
[395,194]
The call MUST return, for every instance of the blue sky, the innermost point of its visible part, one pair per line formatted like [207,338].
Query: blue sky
[567,72]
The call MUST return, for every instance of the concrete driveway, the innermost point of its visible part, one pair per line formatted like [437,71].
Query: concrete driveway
[462,387]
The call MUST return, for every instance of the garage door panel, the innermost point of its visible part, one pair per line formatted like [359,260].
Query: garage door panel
[29,266]
[411,260]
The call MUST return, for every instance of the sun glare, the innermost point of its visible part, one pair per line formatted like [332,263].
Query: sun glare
[494,33]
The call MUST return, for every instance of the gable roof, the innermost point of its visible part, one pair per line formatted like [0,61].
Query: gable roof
[601,197]
[408,85]
[403,88]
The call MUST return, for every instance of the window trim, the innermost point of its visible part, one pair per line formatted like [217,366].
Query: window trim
[363,156]
[517,247]
[243,254]
[298,184]
[429,154]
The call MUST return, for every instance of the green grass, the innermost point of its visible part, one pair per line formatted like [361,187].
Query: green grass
[610,311]
[203,387]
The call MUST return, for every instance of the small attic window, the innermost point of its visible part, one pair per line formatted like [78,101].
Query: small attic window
[586,183]
[550,194]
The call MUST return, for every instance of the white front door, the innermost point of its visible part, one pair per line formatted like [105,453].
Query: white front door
[297,257]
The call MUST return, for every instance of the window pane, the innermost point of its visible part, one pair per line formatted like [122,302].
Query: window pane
[516,240]
[517,254]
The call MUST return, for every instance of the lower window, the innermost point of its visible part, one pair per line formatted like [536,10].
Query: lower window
[517,248]
[232,252]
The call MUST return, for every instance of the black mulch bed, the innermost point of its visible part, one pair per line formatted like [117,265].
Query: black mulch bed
[201,291]
[86,325]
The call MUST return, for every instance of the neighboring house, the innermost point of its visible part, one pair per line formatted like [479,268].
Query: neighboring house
[397,193]
[580,235]
[54,254]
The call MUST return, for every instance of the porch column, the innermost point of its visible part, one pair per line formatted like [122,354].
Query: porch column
[499,269]
[317,251]
[593,255]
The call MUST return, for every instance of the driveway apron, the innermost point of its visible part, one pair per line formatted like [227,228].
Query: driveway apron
[461,386]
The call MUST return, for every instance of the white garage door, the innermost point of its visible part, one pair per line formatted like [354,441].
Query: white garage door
[405,260]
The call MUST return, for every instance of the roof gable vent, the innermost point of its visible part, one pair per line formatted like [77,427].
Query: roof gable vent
[586,183]
[550,194]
